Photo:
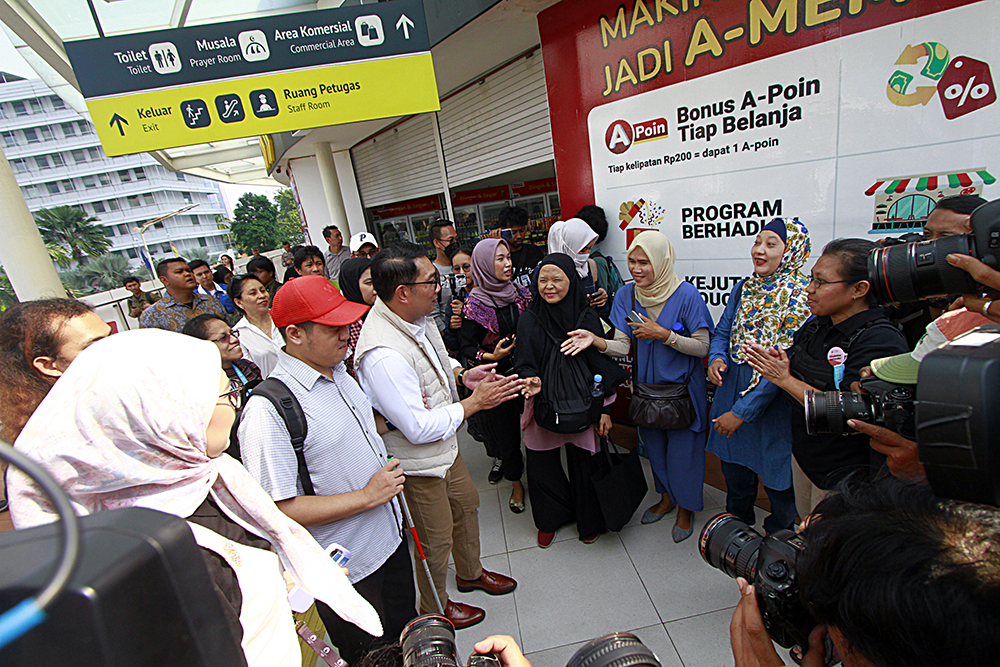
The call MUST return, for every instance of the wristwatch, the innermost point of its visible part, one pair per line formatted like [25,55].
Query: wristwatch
[461,377]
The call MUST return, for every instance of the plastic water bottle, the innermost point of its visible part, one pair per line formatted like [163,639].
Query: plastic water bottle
[597,389]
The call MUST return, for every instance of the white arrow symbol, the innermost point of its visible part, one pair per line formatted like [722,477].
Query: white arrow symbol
[405,23]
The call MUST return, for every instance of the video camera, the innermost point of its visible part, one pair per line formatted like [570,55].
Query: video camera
[954,412]
[908,272]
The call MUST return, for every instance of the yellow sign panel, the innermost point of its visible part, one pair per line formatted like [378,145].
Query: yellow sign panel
[265,104]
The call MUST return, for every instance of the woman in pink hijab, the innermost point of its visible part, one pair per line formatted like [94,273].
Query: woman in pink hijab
[141,419]
[489,323]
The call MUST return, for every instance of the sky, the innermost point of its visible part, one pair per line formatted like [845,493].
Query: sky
[13,63]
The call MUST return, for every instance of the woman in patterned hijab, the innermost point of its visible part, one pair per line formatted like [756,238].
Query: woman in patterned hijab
[751,433]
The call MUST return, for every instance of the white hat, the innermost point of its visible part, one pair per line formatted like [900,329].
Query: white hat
[360,239]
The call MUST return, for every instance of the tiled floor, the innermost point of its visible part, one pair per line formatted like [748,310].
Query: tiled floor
[636,580]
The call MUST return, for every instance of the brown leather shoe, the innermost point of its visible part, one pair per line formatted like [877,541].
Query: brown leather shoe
[463,615]
[491,582]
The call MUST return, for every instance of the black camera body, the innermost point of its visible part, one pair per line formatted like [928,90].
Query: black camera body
[958,417]
[913,271]
[769,563]
[882,403]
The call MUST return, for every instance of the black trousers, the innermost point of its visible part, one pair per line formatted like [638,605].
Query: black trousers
[390,591]
[501,429]
[556,500]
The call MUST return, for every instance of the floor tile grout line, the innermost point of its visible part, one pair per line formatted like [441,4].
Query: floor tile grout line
[641,581]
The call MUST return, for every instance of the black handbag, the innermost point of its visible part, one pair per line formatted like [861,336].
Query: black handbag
[619,483]
[663,406]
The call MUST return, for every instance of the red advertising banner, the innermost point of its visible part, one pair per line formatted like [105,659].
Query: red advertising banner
[480,196]
[420,205]
[528,188]
[600,51]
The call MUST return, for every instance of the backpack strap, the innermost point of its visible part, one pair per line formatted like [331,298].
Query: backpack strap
[291,413]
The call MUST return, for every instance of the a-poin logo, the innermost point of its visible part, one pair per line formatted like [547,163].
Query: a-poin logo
[621,134]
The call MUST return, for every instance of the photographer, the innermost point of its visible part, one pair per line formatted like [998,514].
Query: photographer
[898,577]
[828,354]
[902,369]
[951,216]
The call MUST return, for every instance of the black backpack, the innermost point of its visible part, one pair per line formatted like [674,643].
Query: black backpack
[291,413]
[564,405]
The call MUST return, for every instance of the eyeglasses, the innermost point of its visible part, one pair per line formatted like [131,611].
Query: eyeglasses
[435,281]
[813,280]
[224,338]
[234,396]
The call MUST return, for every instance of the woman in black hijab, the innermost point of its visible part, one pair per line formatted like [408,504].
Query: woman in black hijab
[559,305]
[356,285]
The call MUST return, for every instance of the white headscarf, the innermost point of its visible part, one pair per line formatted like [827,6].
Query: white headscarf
[570,238]
[660,252]
[125,426]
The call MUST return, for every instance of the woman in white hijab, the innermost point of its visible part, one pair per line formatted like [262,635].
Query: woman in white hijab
[125,427]
[668,339]
[575,238]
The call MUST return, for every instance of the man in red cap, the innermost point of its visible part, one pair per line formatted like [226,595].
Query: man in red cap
[355,483]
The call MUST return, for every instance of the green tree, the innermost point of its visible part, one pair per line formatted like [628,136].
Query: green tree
[256,223]
[106,272]
[197,253]
[71,229]
[7,296]
[289,224]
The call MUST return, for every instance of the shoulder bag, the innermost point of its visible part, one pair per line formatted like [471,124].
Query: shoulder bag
[667,406]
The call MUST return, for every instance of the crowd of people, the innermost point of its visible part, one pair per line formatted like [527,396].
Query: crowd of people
[382,354]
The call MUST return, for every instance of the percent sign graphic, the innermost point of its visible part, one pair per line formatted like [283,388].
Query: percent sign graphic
[966,85]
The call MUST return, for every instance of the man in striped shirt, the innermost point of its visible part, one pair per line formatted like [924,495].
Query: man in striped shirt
[355,484]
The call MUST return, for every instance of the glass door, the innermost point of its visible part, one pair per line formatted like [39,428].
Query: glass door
[467,225]
[392,230]
[421,225]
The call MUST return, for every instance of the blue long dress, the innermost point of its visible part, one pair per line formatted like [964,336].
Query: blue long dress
[677,457]
[764,442]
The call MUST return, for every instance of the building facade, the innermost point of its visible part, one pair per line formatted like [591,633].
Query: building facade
[57,160]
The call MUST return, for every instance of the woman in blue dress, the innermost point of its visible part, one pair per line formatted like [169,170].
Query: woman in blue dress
[751,432]
[670,343]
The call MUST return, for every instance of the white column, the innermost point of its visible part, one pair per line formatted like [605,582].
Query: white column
[349,191]
[22,251]
[331,188]
[442,167]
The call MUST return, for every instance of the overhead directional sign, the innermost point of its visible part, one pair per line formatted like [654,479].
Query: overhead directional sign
[169,88]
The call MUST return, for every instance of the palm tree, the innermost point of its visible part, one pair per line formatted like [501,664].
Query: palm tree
[106,271]
[71,229]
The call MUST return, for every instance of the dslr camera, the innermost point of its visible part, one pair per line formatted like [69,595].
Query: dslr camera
[429,641]
[954,412]
[880,402]
[908,272]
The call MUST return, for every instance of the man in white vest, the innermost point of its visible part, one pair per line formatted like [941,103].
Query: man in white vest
[405,370]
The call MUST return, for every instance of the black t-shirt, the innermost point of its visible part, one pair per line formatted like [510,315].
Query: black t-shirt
[828,458]
[524,260]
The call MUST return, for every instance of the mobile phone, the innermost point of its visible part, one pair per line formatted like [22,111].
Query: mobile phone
[633,317]
[506,234]
[340,555]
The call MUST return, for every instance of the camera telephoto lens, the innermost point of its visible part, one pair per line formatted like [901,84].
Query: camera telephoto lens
[728,544]
[828,411]
[913,271]
[619,649]
[429,641]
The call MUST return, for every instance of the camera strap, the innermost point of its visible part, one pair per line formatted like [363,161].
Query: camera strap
[326,653]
